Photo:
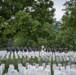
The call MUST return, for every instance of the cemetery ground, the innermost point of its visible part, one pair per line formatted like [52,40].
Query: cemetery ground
[15,62]
[55,59]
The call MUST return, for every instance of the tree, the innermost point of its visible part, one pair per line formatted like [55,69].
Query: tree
[2,28]
[43,11]
[69,19]
[29,19]
[66,36]
[24,26]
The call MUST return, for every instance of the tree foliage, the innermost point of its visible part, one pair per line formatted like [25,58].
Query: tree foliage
[30,20]
[32,23]
[68,25]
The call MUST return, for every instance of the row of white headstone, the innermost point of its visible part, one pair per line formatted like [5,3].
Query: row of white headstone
[39,70]
[64,70]
[29,70]
[34,70]
[70,56]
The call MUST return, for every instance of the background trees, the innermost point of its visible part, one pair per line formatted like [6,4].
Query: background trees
[68,25]
[25,20]
[32,23]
